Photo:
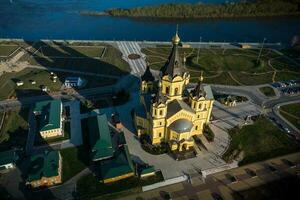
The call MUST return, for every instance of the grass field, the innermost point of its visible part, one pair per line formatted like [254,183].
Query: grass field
[8,81]
[75,159]
[14,130]
[6,50]
[77,51]
[86,57]
[292,113]
[267,91]
[229,66]
[259,141]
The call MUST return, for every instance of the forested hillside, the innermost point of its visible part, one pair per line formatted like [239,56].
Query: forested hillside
[243,9]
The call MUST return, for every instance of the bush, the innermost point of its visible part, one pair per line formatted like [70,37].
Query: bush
[152,149]
[121,97]
[208,134]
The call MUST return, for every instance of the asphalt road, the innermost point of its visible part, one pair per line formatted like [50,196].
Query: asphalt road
[269,105]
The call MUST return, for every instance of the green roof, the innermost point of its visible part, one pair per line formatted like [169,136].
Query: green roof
[100,139]
[7,157]
[147,170]
[49,114]
[120,165]
[43,165]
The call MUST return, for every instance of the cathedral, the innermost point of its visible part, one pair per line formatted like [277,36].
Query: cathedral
[168,111]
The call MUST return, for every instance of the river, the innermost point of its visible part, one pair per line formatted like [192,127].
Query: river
[60,19]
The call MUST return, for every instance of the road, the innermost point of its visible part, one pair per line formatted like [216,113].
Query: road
[269,106]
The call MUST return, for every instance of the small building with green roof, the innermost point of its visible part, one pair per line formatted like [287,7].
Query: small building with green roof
[8,160]
[45,169]
[117,168]
[147,171]
[100,138]
[49,118]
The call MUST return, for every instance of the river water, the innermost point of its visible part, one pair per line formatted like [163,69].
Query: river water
[60,19]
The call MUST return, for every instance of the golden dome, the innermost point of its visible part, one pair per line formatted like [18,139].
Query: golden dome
[176,39]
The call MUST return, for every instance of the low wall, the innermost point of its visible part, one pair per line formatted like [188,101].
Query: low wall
[165,183]
[214,170]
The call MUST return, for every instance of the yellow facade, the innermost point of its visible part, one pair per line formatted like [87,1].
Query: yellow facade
[172,117]
[117,178]
[51,133]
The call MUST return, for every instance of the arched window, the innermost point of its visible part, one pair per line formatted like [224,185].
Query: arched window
[199,107]
[155,112]
[160,112]
[196,127]
[176,91]
[167,90]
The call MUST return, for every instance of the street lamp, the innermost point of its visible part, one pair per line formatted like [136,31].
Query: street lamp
[262,46]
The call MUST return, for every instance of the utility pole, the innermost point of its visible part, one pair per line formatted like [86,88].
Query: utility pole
[262,46]
[223,47]
[199,50]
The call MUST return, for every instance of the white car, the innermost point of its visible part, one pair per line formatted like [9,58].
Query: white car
[287,130]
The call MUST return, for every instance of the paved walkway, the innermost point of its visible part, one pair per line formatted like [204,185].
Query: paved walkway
[138,66]
[76,134]
[163,162]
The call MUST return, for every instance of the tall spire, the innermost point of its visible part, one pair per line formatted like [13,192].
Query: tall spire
[159,98]
[173,66]
[147,76]
[198,91]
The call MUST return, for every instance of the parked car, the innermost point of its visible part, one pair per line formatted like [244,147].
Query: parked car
[251,172]
[289,163]
[287,130]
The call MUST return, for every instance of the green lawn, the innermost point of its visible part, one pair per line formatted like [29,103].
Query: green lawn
[87,57]
[63,51]
[292,113]
[267,91]
[42,77]
[6,50]
[259,141]
[75,159]
[15,129]
[230,66]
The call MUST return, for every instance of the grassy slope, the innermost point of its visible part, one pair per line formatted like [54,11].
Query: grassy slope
[259,141]
[14,130]
[217,64]
[293,109]
[111,63]
[42,77]
[239,9]
[267,91]
[75,159]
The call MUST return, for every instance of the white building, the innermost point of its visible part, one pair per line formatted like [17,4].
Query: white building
[19,83]
[73,82]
